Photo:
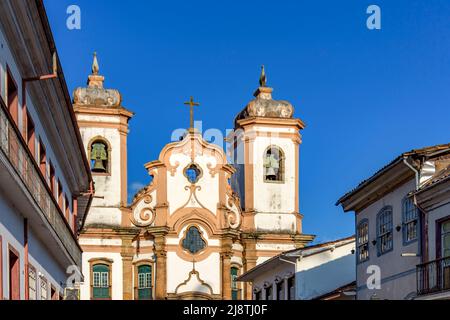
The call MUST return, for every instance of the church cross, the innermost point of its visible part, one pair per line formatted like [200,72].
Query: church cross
[192,104]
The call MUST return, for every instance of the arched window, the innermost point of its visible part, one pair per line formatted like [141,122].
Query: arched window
[101,287]
[193,242]
[99,156]
[234,283]
[410,221]
[144,288]
[384,232]
[274,165]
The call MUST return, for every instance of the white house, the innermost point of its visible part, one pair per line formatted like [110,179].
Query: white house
[390,230]
[322,271]
[44,173]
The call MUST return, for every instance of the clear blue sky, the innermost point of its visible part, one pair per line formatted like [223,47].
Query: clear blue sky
[366,96]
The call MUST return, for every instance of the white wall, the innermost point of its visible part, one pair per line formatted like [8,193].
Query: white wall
[7,62]
[117,274]
[433,216]
[104,208]
[39,256]
[178,196]
[322,273]
[274,202]
[393,266]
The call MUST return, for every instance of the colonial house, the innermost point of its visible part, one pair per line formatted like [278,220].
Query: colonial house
[44,174]
[433,199]
[324,271]
[393,227]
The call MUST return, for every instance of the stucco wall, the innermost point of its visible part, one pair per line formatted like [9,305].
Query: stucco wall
[395,269]
[433,216]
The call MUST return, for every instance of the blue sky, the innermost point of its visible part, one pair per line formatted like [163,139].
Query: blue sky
[366,96]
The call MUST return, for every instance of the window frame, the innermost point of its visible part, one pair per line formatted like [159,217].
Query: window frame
[14,251]
[100,261]
[103,140]
[406,222]
[235,290]
[439,235]
[142,263]
[380,236]
[200,232]
[31,269]
[42,281]
[15,112]
[282,165]
[198,169]
[364,221]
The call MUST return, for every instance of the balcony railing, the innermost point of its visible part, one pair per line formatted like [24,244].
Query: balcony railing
[15,149]
[433,276]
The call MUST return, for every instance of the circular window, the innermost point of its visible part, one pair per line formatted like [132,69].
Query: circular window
[193,173]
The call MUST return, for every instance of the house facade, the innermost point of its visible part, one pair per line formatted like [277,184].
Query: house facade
[433,199]
[45,179]
[324,271]
[391,228]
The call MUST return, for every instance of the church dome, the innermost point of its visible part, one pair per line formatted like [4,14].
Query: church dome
[94,94]
[264,106]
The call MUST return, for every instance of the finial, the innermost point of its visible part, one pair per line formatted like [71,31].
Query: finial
[95,67]
[263,78]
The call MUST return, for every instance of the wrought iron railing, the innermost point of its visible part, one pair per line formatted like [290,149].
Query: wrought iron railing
[15,149]
[433,276]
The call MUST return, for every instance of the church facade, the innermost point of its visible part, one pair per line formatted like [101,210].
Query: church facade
[202,221]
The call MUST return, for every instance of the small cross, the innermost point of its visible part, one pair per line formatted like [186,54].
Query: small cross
[192,104]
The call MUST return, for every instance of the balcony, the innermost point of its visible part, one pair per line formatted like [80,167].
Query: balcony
[49,215]
[433,277]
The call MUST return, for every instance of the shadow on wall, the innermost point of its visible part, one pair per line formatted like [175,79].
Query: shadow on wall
[322,279]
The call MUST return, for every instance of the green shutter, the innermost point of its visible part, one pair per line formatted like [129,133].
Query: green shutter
[100,281]
[234,287]
[145,282]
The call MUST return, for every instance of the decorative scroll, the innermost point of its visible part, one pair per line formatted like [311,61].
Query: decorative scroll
[143,217]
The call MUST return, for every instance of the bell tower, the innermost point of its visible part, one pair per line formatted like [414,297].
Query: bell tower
[265,149]
[103,123]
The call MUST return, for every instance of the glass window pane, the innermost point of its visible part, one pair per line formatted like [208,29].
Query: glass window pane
[193,241]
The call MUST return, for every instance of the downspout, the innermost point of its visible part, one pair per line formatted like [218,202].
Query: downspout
[423,226]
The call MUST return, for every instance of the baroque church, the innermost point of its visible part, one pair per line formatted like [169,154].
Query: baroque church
[202,221]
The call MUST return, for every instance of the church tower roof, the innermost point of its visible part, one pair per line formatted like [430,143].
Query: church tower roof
[264,105]
[95,94]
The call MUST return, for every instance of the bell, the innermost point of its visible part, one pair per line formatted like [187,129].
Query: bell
[99,155]
[98,166]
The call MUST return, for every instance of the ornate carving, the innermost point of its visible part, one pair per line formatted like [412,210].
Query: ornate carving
[144,217]
[197,275]
[97,96]
[173,168]
[212,170]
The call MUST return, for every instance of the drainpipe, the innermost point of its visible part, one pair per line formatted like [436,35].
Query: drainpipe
[415,171]
[423,224]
